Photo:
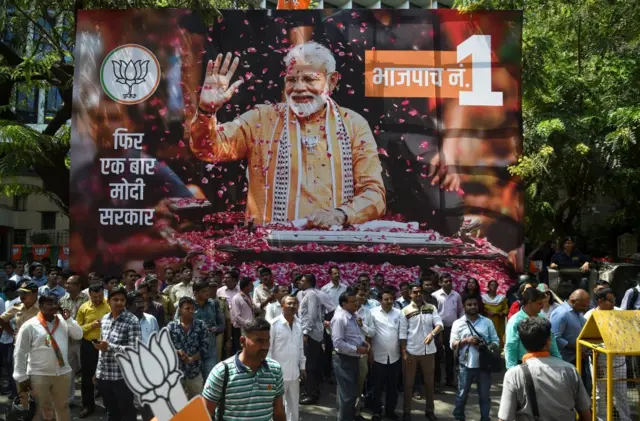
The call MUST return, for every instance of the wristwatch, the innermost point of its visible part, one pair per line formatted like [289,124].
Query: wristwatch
[345,215]
[204,112]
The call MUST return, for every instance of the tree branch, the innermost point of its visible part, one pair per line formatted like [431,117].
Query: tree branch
[43,31]
[13,58]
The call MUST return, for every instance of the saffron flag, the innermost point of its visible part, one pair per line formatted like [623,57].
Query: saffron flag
[293,4]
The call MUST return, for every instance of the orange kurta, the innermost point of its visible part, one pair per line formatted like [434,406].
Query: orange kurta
[287,181]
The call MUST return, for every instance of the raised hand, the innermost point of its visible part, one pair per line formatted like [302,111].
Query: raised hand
[216,90]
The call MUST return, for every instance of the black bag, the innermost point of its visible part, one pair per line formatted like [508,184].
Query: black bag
[531,392]
[223,393]
[490,361]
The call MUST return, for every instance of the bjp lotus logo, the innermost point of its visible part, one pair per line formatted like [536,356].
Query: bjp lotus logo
[130,74]
[151,372]
[40,251]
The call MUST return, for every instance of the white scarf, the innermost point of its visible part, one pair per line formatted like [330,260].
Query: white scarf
[492,301]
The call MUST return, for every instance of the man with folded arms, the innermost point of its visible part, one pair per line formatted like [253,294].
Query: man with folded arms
[386,367]
[41,362]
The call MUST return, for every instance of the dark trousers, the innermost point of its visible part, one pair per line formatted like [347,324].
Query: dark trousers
[235,340]
[328,349]
[118,400]
[585,375]
[346,369]
[448,358]
[6,354]
[384,377]
[89,362]
[313,353]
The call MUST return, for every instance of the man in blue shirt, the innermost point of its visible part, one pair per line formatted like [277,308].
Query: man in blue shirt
[566,324]
[466,341]
[349,345]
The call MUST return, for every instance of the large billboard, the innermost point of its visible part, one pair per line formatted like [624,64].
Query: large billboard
[376,139]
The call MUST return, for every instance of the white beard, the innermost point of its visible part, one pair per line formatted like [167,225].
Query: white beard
[308,108]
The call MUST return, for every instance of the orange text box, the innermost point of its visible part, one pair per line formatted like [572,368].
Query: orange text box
[416,74]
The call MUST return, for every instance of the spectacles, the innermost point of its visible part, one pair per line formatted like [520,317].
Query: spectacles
[308,79]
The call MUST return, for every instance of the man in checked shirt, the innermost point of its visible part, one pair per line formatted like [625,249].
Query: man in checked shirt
[118,329]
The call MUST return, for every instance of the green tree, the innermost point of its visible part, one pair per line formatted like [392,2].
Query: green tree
[581,84]
[36,52]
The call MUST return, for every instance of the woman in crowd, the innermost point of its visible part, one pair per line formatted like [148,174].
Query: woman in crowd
[472,290]
[550,303]
[496,309]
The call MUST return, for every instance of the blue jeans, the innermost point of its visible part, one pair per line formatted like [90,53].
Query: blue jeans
[346,370]
[211,359]
[466,377]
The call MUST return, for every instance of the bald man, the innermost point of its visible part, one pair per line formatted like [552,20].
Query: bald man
[566,324]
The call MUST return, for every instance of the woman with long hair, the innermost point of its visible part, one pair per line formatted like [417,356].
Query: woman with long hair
[472,289]
[496,309]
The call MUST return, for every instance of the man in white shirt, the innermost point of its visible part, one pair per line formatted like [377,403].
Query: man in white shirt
[274,309]
[606,300]
[19,274]
[419,327]
[10,291]
[41,361]
[311,319]
[450,309]
[286,347]
[334,290]
[385,349]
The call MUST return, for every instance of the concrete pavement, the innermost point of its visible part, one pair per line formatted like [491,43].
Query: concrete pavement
[325,410]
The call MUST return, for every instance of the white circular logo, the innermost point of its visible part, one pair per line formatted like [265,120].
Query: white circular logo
[130,74]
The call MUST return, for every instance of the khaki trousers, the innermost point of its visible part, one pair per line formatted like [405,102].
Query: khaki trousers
[193,387]
[362,376]
[74,362]
[51,394]
[427,365]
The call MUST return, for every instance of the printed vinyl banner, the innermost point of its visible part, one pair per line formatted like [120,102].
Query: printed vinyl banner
[376,139]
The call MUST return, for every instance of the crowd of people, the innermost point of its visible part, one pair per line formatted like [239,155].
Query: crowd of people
[249,346]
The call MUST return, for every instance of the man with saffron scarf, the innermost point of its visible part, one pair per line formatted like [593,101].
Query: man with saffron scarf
[308,157]
[41,358]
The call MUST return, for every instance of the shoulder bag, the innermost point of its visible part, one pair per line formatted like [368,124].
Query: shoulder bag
[223,393]
[490,361]
[531,392]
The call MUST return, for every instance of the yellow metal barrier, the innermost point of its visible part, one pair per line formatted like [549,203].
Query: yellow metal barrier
[613,340]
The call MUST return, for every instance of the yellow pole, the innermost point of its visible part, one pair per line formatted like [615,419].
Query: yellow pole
[609,387]
[595,380]
[579,361]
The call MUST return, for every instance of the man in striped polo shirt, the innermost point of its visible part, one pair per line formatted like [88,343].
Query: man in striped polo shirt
[254,386]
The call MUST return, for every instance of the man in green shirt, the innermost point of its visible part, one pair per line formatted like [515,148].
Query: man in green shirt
[255,387]
[532,301]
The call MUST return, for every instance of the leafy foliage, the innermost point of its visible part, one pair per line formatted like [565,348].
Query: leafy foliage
[581,80]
